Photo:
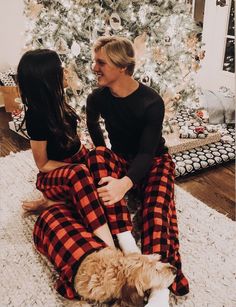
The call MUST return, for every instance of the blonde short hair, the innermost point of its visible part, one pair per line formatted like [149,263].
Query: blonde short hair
[119,51]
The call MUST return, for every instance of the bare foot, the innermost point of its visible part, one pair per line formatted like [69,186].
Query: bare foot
[37,206]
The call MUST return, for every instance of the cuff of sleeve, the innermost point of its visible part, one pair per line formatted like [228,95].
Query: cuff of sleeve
[132,178]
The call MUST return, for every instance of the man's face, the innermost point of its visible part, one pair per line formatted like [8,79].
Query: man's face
[107,73]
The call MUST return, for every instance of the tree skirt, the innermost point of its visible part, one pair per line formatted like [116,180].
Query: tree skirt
[190,161]
[207,241]
[199,156]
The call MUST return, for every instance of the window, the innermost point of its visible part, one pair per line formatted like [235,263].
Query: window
[219,43]
[229,59]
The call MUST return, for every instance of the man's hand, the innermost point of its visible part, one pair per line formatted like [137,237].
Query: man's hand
[114,190]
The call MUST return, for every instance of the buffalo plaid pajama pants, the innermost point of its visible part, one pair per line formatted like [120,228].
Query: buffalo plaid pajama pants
[75,184]
[159,233]
[60,235]
[63,233]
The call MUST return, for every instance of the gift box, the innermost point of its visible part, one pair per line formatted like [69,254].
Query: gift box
[18,124]
[177,144]
[10,98]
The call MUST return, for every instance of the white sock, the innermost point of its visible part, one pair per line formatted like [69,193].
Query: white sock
[127,243]
[158,298]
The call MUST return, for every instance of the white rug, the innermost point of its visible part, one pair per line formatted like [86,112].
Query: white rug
[208,247]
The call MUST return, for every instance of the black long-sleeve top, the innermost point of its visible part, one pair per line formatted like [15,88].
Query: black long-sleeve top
[134,126]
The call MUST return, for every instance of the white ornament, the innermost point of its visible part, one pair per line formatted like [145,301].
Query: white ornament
[115,21]
[227,139]
[145,79]
[61,46]
[75,49]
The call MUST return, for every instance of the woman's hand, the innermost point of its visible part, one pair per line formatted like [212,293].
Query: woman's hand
[114,189]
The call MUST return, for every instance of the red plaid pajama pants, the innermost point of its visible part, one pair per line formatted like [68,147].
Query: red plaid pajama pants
[60,235]
[159,233]
[75,184]
[63,233]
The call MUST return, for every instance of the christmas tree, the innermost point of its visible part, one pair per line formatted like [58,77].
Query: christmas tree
[163,32]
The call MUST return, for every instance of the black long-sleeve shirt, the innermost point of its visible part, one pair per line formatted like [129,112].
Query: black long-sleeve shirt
[134,126]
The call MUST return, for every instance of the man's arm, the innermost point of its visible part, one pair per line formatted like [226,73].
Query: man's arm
[149,142]
[115,189]
[94,128]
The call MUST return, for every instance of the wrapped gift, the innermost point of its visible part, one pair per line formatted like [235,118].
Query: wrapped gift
[177,144]
[9,97]
[18,124]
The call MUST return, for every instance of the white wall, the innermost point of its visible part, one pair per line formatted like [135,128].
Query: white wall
[12,25]
[211,76]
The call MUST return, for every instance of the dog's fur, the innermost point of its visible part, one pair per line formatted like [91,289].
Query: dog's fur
[108,274]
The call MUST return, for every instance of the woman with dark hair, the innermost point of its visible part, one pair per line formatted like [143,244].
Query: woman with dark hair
[75,209]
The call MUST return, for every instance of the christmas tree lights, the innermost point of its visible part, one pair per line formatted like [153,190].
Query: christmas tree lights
[163,32]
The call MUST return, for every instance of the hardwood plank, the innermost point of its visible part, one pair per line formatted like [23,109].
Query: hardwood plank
[215,187]
[9,140]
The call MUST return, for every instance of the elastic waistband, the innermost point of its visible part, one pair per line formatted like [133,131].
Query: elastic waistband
[79,155]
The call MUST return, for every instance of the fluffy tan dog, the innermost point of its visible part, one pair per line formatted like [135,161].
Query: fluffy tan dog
[108,275]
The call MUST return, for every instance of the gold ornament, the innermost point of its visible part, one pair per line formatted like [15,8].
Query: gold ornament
[195,65]
[171,99]
[72,79]
[140,49]
[191,42]
[201,54]
[107,30]
[167,97]
[34,9]
[177,97]
[158,55]
[61,46]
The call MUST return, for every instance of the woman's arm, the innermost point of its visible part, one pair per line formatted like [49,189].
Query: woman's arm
[39,150]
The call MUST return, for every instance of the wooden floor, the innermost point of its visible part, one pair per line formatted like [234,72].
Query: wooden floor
[215,186]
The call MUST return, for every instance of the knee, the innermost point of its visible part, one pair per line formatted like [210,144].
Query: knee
[78,170]
[100,152]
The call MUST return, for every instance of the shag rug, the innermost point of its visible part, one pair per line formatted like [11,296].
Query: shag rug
[207,238]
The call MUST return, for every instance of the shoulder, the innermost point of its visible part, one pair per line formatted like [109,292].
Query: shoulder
[97,99]
[36,125]
[150,97]
[97,93]
[34,116]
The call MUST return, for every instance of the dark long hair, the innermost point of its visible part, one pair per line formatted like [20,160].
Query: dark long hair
[40,81]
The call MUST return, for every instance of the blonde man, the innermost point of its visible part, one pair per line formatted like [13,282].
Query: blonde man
[133,114]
